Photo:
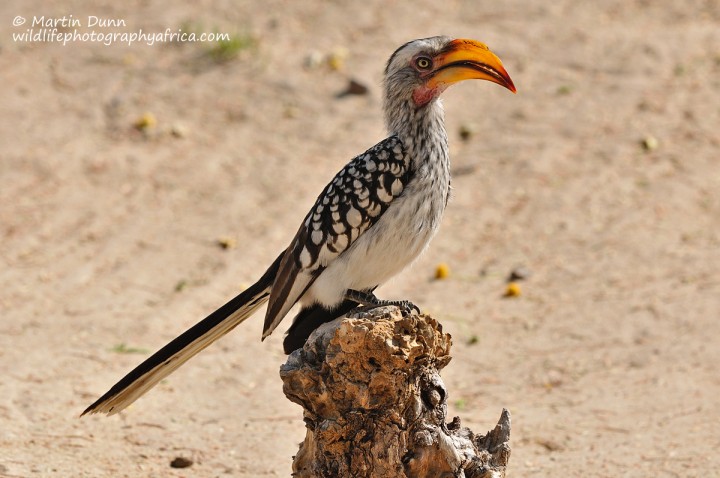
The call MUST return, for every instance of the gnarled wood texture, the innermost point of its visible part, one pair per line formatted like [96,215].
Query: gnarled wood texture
[375,405]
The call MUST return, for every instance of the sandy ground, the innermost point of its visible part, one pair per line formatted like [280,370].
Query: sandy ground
[607,361]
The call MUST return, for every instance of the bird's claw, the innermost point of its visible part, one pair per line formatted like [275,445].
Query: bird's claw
[368,301]
[405,306]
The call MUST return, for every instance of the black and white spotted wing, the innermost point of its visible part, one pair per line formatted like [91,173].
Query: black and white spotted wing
[348,206]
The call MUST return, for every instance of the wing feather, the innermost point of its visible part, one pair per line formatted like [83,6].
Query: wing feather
[349,205]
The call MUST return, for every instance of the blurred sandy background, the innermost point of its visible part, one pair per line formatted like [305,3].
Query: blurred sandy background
[123,167]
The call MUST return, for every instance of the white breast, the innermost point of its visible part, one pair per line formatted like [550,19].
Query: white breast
[393,243]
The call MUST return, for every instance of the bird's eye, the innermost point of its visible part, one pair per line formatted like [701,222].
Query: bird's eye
[423,63]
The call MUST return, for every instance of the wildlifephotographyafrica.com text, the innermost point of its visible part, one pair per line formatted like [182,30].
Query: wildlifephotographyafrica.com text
[96,29]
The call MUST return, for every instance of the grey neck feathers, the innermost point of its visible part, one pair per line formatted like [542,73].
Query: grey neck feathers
[421,130]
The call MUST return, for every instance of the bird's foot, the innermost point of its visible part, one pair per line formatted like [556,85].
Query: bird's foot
[405,306]
[368,301]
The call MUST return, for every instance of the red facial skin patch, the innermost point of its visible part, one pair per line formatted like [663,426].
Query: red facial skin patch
[423,95]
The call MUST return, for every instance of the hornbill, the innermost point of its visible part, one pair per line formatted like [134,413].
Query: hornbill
[371,221]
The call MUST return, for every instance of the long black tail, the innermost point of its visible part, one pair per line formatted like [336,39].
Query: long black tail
[181,349]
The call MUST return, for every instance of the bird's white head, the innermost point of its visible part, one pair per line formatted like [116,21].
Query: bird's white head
[420,70]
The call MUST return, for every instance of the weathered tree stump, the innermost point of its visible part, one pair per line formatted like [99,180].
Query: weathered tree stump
[375,405]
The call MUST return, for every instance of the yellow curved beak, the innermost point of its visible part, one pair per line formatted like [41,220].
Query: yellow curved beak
[466,59]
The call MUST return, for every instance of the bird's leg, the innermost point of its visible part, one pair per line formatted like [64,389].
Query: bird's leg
[369,301]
